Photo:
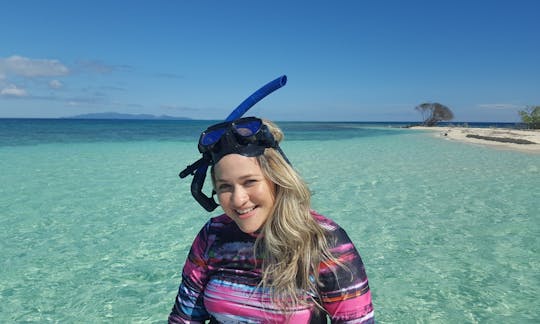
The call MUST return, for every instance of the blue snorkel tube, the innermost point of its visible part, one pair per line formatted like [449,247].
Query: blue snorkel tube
[200,167]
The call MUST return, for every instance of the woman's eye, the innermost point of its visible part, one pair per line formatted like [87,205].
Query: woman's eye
[224,187]
[250,182]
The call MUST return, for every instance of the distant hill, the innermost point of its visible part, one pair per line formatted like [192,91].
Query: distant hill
[114,115]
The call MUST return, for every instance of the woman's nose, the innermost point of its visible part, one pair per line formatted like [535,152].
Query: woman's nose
[239,197]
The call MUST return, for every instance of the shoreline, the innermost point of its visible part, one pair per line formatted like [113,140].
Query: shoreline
[501,138]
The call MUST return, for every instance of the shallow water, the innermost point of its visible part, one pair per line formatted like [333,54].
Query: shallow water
[96,227]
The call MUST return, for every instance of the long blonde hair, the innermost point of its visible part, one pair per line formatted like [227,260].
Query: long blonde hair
[292,244]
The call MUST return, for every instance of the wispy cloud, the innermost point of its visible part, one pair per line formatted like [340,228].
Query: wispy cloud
[15,67]
[55,84]
[42,75]
[168,75]
[499,106]
[104,88]
[27,67]
[34,79]
[96,66]
[13,91]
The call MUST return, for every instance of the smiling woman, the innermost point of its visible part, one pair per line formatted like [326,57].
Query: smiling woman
[269,257]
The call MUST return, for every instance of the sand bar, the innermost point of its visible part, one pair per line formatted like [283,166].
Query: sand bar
[502,138]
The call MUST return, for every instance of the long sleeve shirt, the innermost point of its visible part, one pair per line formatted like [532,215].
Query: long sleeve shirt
[221,277]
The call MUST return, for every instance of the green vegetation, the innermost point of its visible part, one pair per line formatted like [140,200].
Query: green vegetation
[531,116]
[434,112]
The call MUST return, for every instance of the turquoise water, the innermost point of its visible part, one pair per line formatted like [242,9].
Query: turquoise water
[96,223]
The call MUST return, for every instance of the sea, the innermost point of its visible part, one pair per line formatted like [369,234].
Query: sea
[96,224]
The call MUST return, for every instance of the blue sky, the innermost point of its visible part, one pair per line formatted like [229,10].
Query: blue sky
[345,60]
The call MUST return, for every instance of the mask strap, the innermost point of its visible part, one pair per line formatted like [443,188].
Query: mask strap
[197,183]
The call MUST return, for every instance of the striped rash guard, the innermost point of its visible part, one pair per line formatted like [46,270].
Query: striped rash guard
[221,276]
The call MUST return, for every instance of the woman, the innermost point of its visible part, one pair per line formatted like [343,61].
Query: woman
[269,258]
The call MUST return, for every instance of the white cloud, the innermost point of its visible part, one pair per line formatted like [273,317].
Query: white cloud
[499,106]
[13,91]
[96,66]
[55,84]
[26,67]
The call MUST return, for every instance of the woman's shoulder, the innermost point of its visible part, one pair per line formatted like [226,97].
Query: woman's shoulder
[325,222]
[334,233]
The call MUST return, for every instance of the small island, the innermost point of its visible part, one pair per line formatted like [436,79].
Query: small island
[525,140]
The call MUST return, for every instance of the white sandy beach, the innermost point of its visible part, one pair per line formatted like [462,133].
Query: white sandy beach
[460,134]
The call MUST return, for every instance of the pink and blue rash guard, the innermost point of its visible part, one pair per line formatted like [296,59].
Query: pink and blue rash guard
[221,276]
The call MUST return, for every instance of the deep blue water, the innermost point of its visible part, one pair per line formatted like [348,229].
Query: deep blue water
[14,132]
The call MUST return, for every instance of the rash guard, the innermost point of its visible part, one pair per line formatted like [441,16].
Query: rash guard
[221,276]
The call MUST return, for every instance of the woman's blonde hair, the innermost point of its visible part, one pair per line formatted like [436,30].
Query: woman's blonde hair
[292,244]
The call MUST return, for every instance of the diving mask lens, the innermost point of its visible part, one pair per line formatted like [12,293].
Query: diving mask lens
[248,127]
[211,136]
[243,129]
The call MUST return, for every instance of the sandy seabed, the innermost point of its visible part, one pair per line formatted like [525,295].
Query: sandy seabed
[502,138]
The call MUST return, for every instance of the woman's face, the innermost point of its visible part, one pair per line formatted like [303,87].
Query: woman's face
[243,191]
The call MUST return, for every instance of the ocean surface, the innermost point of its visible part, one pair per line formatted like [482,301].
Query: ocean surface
[96,224]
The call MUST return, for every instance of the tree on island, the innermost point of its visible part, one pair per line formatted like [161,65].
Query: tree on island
[434,112]
[531,116]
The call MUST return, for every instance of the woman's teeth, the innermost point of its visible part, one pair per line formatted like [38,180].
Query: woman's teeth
[244,211]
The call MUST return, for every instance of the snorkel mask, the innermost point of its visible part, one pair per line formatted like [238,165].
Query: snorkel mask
[247,136]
